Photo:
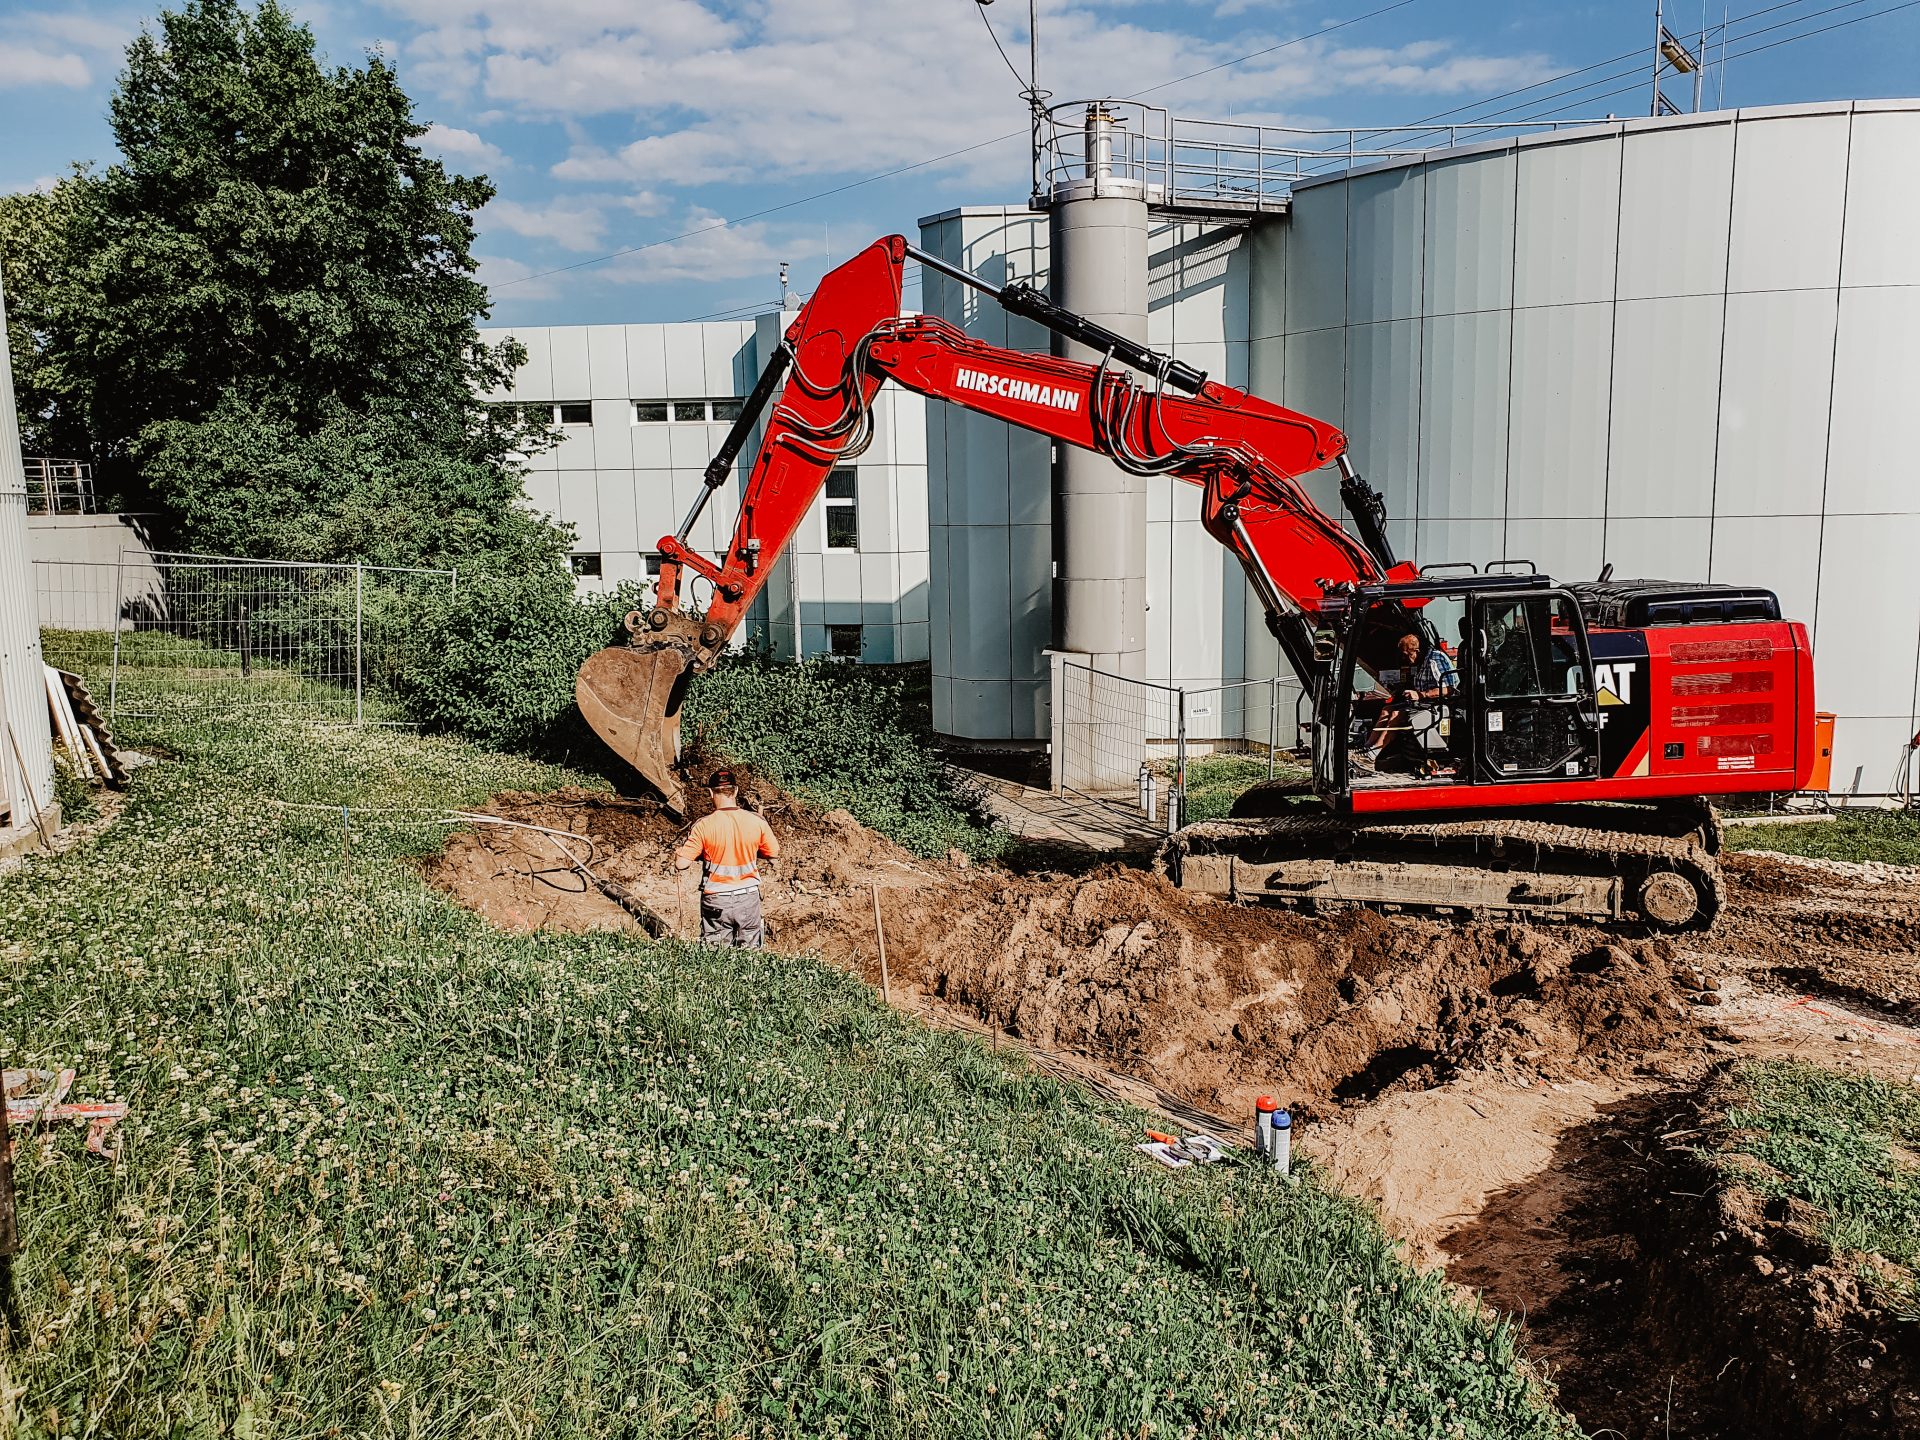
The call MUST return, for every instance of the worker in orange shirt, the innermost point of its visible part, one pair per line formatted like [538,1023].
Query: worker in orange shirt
[729,844]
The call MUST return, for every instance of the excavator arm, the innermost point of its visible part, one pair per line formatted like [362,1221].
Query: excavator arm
[1245,454]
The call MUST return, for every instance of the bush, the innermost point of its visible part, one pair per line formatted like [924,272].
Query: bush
[845,736]
[496,661]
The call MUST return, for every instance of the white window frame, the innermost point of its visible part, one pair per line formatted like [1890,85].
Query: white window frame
[828,504]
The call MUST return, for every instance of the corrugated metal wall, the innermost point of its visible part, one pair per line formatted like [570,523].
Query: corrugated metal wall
[23,696]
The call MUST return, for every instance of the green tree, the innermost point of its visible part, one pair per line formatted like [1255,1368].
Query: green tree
[35,237]
[273,300]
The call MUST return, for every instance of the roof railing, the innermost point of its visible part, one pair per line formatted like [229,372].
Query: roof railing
[1093,148]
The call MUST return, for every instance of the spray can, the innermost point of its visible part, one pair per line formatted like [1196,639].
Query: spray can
[1263,1108]
[1146,791]
[1140,783]
[1280,1146]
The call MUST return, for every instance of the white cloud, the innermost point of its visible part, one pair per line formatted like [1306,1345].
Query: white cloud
[780,89]
[22,65]
[570,225]
[507,279]
[450,140]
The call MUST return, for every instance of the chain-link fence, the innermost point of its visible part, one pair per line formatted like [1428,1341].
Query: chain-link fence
[1138,744]
[173,632]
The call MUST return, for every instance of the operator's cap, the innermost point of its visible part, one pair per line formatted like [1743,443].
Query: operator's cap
[721,780]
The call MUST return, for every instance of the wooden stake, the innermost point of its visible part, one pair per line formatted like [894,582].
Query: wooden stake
[26,780]
[880,934]
[9,1230]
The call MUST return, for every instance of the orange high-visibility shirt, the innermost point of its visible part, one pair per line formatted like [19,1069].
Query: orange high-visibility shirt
[729,844]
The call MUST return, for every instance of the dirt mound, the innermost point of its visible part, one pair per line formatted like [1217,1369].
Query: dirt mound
[1211,1002]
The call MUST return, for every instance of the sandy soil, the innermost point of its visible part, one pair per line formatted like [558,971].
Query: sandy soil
[1490,1087]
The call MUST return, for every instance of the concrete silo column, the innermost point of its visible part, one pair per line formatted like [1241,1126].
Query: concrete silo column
[1098,240]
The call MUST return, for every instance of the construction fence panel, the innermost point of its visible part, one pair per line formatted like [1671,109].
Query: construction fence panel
[1107,726]
[180,630]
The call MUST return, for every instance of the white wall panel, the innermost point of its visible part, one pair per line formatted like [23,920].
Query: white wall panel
[1316,375]
[1675,193]
[1882,244]
[580,506]
[613,431]
[1869,747]
[1557,428]
[1773,392]
[1452,542]
[1317,261]
[543,493]
[1266,254]
[1567,210]
[1789,197]
[572,375]
[607,362]
[1463,415]
[914,577]
[1864,644]
[1383,407]
[646,361]
[1780,553]
[1658,549]
[1386,216]
[1564,549]
[575,450]
[1876,410]
[652,446]
[619,515]
[980,574]
[1198,651]
[686,349]
[1469,236]
[1666,401]
[534,380]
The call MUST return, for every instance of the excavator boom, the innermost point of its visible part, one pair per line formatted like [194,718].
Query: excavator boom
[1246,455]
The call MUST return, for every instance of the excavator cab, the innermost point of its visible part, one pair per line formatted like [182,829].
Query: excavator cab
[1519,705]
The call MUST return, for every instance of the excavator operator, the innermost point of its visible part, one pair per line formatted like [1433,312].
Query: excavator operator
[1424,679]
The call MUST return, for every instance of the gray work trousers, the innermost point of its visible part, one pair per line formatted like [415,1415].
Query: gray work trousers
[732,917]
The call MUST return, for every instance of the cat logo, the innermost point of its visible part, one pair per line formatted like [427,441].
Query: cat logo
[1613,683]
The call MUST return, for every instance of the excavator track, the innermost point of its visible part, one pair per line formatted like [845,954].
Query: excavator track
[1609,864]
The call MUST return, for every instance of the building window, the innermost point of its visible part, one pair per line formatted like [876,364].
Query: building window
[585,562]
[843,511]
[654,563]
[845,641]
[659,412]
[575,412]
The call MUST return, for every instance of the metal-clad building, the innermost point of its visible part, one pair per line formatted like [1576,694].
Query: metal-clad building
[642,408]
[26,749]
[1683,347]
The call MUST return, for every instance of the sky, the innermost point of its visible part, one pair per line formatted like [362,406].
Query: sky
[642,126]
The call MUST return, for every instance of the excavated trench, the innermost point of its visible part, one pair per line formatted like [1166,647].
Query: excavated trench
[1483,1083]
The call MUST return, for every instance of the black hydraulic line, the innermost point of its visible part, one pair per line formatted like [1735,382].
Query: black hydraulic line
[1020,298]
[721,465]
[1368,507]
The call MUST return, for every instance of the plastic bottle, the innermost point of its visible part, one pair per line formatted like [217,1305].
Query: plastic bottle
[1263,1108]
[1280,1147]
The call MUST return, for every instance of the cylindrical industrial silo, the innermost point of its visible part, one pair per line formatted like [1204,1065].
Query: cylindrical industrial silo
[1098,239]
[26,749]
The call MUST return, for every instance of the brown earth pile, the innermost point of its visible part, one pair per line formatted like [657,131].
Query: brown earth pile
[1209,1001]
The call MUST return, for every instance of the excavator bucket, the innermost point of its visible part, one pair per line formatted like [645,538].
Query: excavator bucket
[631,697]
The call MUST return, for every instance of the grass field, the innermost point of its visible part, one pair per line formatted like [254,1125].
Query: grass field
[389,1172]
[1889,836]
[1845,1144]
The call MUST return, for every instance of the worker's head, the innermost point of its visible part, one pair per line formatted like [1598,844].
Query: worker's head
[721,786]
[1410,648]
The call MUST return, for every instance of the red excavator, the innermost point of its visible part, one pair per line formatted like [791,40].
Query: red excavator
[1566,768]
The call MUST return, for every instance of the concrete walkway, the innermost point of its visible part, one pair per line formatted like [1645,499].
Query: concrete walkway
[1081,822]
